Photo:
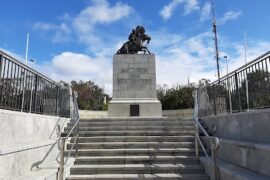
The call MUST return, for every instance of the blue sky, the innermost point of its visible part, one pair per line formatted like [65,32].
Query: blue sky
[76,39]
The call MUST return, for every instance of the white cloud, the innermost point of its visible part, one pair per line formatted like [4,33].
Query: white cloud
[189,6]
[184,57]
[82,27]
[230,15]
[176,58]
[61,32]
[254,50]
[194,57]
[205,11]
[44,26]
[69,66]
[101,12]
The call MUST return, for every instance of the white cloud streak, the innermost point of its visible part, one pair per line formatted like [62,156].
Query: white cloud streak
[230,15]
[205,11]
[168,10]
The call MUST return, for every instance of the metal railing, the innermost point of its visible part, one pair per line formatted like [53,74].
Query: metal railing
[24,89]
[73,132]
[245,88]
[214,141]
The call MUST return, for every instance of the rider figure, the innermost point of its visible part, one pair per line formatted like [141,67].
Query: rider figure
[135,43]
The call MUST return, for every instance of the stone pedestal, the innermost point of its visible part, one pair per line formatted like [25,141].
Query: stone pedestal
[134,87]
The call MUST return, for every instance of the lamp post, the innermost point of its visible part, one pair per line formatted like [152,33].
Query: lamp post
[228,82]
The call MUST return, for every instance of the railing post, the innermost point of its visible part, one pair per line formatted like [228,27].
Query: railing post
[35,91]
[56,99]
[247,94]
[77,139]
[237,92]
[196,140]
[1,79]
[215,99]
[77,126]
[214,146]
[229,94]
[195,115]
[62,151]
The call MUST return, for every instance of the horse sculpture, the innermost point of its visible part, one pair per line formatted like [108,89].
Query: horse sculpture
[135,43]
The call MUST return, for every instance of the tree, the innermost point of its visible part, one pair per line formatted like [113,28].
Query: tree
[90,95]
[177,97]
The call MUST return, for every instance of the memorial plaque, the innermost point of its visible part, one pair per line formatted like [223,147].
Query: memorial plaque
[134,110]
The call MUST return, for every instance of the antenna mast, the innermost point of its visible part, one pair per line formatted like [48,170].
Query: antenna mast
[215,38]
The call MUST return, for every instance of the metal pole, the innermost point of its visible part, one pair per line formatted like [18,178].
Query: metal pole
[215,38]
[245,47]
[26,51]
[229,86]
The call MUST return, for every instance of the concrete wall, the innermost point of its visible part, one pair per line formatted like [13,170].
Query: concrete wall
[27,141]
[87,114]
[179,113]
[244,144]
[246,126]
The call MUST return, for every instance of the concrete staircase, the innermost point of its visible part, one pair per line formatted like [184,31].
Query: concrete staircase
[136,148]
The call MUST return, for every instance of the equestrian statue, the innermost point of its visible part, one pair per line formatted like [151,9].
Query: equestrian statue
[135,42]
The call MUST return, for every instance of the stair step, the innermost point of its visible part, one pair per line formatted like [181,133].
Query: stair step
[139,127]
[130,123]
[146,151]
[130,133]
[134,119]
[136,159]
[114,145]
[135,148]
[162,176]
[135,139]
[136,169]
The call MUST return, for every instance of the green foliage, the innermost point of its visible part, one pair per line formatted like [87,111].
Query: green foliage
[90,95]
[258,88]
[177,97]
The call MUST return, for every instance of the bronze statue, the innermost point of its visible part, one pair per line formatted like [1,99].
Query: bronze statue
[135,42]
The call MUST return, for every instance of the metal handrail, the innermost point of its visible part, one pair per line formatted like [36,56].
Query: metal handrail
[4,54]
[214,141]
[24,89]
[61,140]
[243,67]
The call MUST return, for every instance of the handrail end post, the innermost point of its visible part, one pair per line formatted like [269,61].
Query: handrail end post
[61,168]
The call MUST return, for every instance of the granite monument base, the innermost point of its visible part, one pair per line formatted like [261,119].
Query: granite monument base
[134,87]
[134,108]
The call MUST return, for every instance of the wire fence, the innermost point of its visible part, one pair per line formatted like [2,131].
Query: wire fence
[24,89]
[244,89]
